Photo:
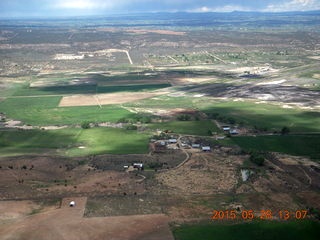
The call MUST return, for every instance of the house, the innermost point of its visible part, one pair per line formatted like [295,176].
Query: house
[233,131]
[220,137]
[195,145]
[72,204]
[172,140]
[226,128]
[206,148]
[138,166]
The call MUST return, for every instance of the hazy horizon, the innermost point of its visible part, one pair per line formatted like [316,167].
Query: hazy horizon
[73,8]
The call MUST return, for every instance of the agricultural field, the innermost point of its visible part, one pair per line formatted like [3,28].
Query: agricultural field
[255,230]
[158,122]
[73,142]
[305,145]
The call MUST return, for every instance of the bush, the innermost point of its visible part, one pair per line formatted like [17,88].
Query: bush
[285,130]
[155,165]
[85,125]
[257,158]
[123,120]
[184,117]
[131,127]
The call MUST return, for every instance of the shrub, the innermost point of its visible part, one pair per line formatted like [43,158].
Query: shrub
[131,127]
[123,120]
[85,125]
[184,117]
[285,130]
[257,158]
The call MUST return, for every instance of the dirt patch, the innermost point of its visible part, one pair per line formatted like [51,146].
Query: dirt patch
[16,209]
[204,173]
[68,57]
[205,182]
[290,95]
[164,32]
[316,76]
[54,83]
[68,223]
[50,177]
[105,99]
[253,70]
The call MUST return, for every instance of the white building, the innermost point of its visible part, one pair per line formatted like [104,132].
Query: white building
[206,148]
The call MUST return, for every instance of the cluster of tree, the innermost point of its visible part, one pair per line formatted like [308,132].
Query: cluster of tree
[155,165]
[285,130]
[221,118]
[85,125]
[131,127]
[257,158]
[161,136]
[141,118]
[184,117]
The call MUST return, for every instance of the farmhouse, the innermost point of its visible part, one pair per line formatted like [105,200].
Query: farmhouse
[172,140]
[206,148]
[220,137]
[139,166]
[226,128]
[195,145]
[233,131]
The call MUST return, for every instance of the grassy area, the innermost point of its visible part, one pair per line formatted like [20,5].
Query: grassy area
[85,89]
[55,90]
[187,127]
[307,230]
[267,116]
[67,142]
[131,88]
[262,116]
[164,102]
[45,111]
[300,145]
[17,142]
[310,74]
[133,76]
[110,140]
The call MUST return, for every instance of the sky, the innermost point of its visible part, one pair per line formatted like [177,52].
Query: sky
[59,8]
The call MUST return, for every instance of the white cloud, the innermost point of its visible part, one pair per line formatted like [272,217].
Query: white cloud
[83,4]
[226,8]
[294,5]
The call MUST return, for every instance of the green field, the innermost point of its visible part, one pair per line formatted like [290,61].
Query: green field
[262,116]
[45,111]
[200,128]
[85,89]
[164,102]
[67,142]
[267,116]
[300,145]
[306,230]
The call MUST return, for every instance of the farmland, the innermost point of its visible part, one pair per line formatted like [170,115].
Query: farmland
[160,119]
[45,111]
[305,145]
[67,141]
[255,230]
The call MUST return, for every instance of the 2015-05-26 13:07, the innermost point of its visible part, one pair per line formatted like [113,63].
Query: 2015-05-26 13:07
[263,214]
